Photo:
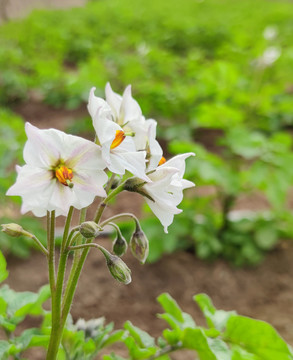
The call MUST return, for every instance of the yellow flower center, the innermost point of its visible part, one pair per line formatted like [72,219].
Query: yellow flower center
[64,175]
[162,161]
[119,137]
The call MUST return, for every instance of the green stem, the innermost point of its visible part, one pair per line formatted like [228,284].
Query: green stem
[57,327]
[51,251]
[40,245]
[71,287]
[53,344]
[103,203]
[118,217]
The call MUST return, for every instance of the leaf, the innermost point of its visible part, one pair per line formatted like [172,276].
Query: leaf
[116,336]
[4,349]
[171,306]
[215,318]
[137,352]
[143,339]
[257,337]
[194,339]
[3,271]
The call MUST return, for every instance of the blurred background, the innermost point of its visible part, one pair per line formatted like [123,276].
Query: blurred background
[218,78]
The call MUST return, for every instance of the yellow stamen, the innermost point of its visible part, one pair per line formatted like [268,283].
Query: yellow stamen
[162,161]
[119,137]
[64,175]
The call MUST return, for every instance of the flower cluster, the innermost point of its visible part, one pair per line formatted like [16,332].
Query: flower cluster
[63,170]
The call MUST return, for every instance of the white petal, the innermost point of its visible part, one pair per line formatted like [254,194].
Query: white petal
[82,154]
[114,100]
[134,162]
[130,110]
[166,218]
[95,103]
[105,128]
[42,147]
[178,162]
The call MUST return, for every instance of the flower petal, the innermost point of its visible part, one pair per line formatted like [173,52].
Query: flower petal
[114,100]
[130,110]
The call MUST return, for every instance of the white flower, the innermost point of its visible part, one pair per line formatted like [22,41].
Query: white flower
[166,189]
[61,171]
[118,149]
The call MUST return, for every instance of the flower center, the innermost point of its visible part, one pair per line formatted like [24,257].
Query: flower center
[64,175]
[162,161]
[119,137]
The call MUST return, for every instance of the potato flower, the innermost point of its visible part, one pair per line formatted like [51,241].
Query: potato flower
[165,191]
[118,148]
[61,171]
[127,113]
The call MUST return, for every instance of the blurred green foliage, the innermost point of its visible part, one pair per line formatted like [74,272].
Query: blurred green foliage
[201,63]
[193,64]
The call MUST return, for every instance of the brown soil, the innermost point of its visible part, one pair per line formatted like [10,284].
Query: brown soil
[264,292]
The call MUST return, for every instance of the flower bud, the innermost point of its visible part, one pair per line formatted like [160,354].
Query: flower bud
[15,230]
[139,245]
[89,229]
[119,245]
[136,185]
[119,270]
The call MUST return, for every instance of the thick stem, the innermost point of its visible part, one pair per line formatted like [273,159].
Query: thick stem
[103,204]
[68,297]
[54,338]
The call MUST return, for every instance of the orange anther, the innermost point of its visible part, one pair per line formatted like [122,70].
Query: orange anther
[64,175]
[119,137]
[162,161]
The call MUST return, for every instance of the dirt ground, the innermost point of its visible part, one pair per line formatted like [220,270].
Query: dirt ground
[264,292]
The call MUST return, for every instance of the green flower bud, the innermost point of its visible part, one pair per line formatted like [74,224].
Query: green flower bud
[119,270]
[139,245]
[119,245]
[89,229]
[15,230]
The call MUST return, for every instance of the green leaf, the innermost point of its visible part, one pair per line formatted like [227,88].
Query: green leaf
[143,339]
[171,306]
[116,336]
[4,349]
[3,271]
[195,339]
[137,352]
[113,357]
[257,337]
[215,318]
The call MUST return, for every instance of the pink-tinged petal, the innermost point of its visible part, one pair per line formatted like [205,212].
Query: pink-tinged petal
[43,146]
[130,110]
[82,154]
[95,103]
[91,182]
[29,181]
[114,100]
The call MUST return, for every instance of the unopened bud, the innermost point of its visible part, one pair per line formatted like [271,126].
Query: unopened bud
[139,245]
[89,229]
[136,185]
[119,270]
[119,245]
[15,230]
